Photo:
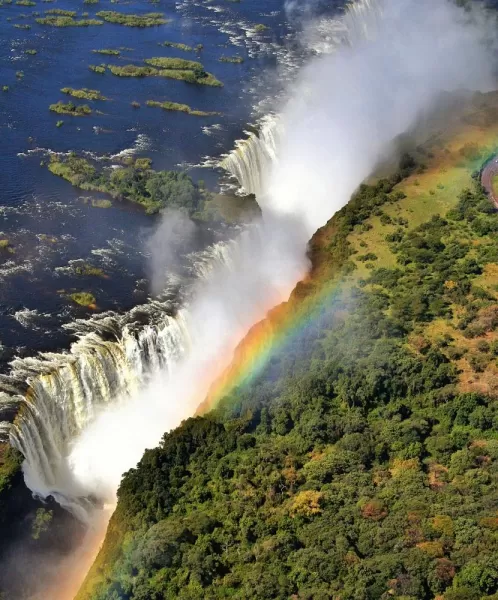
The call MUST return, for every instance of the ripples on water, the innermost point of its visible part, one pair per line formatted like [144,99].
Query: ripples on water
[46,220]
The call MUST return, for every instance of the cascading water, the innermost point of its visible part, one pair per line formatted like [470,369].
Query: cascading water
[253,158]
[110,362]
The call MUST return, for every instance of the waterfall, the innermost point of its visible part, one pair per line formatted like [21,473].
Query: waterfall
[253,157]
[251,160]
[56,396]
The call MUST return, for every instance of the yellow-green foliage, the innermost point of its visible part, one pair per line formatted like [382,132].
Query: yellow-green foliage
[83,93]
[61,21]
[147,20]
[174,106]
[71,109]
[83,298]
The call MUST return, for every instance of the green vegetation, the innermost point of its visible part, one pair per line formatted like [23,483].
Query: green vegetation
[180,108]
[5,88]
[360,461]
[31,52]
[10,464]
[97,69]
[83,299]
[175,63]
[173,68]
[83,93]
[71,109]
[87,270]
[147,20]
[136,182]
[132,71]
[236,60]
[107,51]
[61,21]
[41,523]
[176,45]
[59,123]
[25,3]
[19,74]
[60,12]
[260,28]
[90,1]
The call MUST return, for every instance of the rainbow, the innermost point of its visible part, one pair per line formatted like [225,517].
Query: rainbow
[275,333]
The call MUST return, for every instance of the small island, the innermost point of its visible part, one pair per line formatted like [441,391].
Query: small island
[100,69]
[83,93]
[147,20]
[67,21]
[135,182]
[177,46]
[189,71]
[236,60]
[107,51]
[84,299]
[71,109]
[185,108]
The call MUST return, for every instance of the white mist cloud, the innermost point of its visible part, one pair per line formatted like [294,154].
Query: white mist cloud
[348,107]
[172,236]
[344,112]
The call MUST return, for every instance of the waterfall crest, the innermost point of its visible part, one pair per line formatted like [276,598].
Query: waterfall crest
[252,159]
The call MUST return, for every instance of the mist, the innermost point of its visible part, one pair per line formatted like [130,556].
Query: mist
[171,238]
[344,111]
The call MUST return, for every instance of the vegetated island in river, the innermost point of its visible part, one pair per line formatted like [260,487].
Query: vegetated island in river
[136,182]
[66,20]
[83,93]
[185,108]
[189,71]
[70,108]
[147,20]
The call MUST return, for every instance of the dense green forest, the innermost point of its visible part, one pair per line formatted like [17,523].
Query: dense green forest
[354,465]
[136,182]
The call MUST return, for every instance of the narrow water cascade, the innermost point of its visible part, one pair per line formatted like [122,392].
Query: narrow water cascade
[251,160]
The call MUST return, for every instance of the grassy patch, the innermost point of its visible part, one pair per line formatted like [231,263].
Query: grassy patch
[83,299]
[107,51]
[147,20]
[173,68]
[185,108]
[71,109]
[100,69]
[56,21]
[83,93]
[177,45]
[136,182]
[236,60]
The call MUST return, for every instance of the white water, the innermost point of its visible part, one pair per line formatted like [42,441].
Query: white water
[89,415]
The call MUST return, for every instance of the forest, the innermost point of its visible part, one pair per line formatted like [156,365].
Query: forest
[354,465]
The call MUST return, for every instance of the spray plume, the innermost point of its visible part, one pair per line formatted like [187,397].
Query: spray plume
[392,61]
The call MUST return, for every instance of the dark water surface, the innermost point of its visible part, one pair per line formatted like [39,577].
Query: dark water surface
[35,204]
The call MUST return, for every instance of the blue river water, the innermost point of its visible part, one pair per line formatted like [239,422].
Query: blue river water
[48,222]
